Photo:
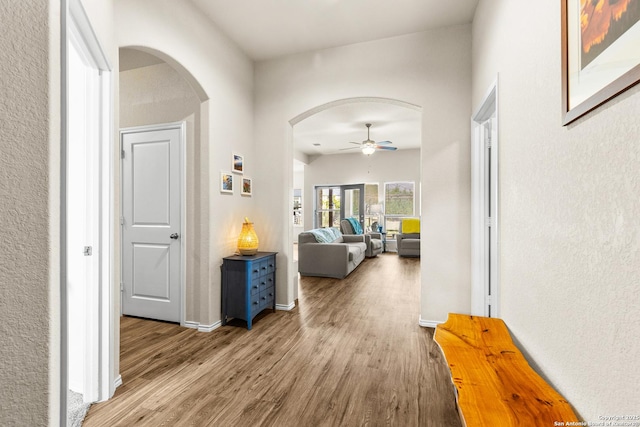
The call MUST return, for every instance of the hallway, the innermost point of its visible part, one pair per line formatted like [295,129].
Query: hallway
[351,353]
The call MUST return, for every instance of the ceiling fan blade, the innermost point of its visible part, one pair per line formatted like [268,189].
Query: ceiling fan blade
[357,143]
[350,148]
[379,147]
[384,142]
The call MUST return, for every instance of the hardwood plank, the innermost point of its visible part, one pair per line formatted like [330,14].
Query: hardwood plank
[351,353]
[495,384]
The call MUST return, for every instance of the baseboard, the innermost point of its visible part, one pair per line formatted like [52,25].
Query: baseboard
[284,307]
[117,382]
[191,325]
[209,328]
[428,323]
[203,328]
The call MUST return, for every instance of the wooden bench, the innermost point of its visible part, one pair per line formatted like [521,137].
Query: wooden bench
[494,383]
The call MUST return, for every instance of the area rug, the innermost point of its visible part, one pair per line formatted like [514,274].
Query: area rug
[76,409]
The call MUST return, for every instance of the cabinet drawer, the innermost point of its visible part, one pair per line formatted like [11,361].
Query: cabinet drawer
[255,286]
[256,305]
[266,281]
[266,297]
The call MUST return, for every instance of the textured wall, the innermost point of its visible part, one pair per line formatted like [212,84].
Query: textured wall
[29,116]
[570,213]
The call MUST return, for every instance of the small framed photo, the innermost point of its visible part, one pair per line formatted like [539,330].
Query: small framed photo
[247,186]
[226,182]
[237,163]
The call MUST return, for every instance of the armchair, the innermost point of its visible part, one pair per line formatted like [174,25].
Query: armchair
[373,240]
[408,240]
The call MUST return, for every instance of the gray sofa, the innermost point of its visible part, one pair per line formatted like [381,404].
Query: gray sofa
[336,258]
[372,239]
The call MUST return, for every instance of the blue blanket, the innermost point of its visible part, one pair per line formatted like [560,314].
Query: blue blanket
[325,235]
[355,224]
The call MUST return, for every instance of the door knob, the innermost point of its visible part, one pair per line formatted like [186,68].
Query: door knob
[174,236]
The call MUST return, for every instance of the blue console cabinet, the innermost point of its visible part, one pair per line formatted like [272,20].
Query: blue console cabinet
[248,285]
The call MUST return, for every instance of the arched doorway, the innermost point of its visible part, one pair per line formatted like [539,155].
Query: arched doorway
[327,130]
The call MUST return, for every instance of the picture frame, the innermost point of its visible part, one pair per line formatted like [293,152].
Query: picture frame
[226,182]
[247,186]
[599,61]
[237,163]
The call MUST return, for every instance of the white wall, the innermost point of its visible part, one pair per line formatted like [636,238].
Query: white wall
[570,213]
[430,69]
[192,45]
[356,168]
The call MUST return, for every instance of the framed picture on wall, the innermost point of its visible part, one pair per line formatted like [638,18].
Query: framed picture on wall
[247,186]
[237,163]
[226,182]
[600,54]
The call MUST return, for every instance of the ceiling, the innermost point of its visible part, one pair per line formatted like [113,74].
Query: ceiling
[266,29]
[331,130]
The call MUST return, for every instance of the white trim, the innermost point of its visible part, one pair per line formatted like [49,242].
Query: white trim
[488,110]
[203,328]
[117,382]
[209,328]
[429,323]
[191,325]
[285,307]
[100,349]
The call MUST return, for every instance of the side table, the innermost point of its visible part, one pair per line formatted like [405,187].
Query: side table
[248,285]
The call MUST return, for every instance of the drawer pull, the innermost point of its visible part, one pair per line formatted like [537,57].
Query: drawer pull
[255,271]
[264,297]
[270,295]
[270,265]
[263,283]
[255,302]
[255,286]
[270,279]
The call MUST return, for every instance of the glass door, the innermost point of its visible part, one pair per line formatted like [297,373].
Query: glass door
[352,202]
[335,202]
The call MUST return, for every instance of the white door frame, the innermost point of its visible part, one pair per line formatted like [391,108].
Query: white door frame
[100,365]
[182,127]
[485,296]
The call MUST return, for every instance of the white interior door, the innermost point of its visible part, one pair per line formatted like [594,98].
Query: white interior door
[83,204]
[151,223]
[485,232]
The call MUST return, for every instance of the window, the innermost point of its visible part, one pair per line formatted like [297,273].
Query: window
[327,207]
[399,202]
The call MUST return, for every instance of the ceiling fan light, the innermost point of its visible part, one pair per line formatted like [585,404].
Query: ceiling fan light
[368,149]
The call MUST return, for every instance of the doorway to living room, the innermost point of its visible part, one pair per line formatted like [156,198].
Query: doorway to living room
[328,143]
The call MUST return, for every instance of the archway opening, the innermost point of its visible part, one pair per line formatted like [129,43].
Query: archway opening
[326,153]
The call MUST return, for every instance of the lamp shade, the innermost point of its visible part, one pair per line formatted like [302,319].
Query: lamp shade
[248,239]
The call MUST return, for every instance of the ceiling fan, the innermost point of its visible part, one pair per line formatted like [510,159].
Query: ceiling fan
[369,146]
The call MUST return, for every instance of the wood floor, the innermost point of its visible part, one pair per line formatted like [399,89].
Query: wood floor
[350,354]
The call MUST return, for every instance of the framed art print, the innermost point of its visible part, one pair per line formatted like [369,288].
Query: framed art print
[246,186]
[226,182]
[600,53]
[237,163]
